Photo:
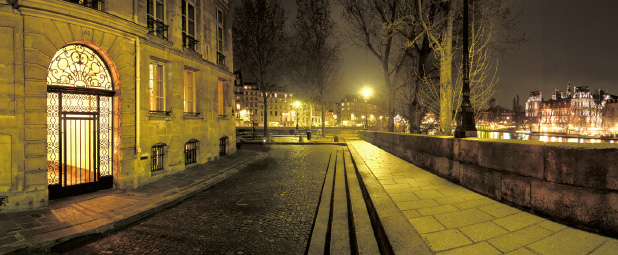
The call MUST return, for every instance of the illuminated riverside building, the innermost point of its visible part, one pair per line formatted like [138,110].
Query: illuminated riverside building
[110,94]
[577,112]
[249,108]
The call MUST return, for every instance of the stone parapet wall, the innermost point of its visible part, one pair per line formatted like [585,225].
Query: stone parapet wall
[572,183]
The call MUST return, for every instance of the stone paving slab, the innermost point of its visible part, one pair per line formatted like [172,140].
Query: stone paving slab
[454,220]
[96,213]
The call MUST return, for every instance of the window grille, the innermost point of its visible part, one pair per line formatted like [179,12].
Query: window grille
[191,151]
[223,145]
[157,157]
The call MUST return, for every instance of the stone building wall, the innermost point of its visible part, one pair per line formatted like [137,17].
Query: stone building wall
[572,183]
[32,31]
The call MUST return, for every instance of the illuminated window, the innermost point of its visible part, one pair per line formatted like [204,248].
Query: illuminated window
[156,18]
[191,151]
[157,87]
[188,25]
[223,101]
[157,154]
[189,103]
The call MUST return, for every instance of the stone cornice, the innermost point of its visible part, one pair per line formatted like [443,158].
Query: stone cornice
[76,14]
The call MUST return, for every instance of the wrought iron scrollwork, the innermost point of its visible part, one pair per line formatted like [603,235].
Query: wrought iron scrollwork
[157,28]
[220,59]
[53,139]
[189,42]
[79,118]
[78,66]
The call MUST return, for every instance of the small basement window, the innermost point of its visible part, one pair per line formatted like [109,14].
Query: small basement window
[191,151]
[157,157]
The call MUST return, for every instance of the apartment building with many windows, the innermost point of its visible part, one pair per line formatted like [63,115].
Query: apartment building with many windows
[110,94]
[575,112]
[249,108]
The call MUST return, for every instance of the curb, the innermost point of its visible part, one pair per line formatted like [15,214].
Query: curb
[398,231]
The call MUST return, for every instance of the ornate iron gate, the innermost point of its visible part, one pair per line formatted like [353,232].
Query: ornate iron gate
[79,122]
[79,141]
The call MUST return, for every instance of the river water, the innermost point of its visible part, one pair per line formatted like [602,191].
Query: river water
[541,137]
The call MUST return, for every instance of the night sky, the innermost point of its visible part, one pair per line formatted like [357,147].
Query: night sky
[568,40]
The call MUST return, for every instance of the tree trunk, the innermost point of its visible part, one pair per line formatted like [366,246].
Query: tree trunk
[446,83]
[391,110]
[323,119]
[416,116]
[265,114]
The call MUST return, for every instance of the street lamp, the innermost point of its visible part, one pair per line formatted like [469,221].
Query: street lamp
[366,92]
[465,116]
[297,104]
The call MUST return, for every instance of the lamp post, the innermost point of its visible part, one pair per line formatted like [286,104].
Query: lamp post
[366,92]
[465,115]
[297,104]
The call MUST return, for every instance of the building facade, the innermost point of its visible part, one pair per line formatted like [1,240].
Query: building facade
[249,108]
[354,109]
[577,112]
[110,94]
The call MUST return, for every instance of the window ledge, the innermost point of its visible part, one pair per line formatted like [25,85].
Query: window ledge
[160,115]
[192,115]
[191,52]
[160,40]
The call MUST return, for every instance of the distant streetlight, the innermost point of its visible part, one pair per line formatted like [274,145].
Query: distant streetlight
[366,92]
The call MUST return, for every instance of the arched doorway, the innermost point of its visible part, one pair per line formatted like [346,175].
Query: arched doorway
[79,122]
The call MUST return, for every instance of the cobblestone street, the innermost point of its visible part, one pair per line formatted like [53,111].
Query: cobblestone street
[267,208]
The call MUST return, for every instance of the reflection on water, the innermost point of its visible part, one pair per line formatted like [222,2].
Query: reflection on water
[542,138]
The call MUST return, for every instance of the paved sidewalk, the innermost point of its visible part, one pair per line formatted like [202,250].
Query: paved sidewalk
[454,220]
[95,213]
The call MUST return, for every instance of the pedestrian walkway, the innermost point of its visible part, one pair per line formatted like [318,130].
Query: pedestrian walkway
[454,220]
[347,222]
[96,213]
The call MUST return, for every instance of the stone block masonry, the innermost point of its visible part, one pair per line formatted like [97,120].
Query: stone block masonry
[32,33]
[572,183]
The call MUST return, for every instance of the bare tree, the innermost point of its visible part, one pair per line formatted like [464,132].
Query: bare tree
[260,44]
[488,16]
[440,33]
[483,72]
[368,20]
[419,63]
[316,51]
